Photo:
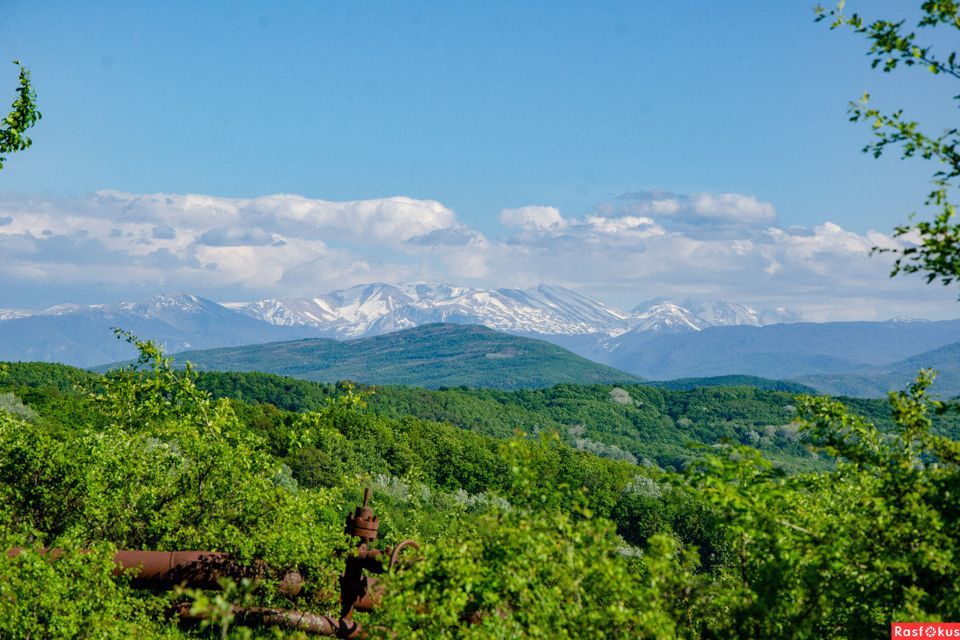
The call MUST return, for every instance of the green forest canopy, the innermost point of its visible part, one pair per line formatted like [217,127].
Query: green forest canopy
[521,532]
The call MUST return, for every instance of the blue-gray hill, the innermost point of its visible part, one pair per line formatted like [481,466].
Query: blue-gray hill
[780,351]
[432,356]
[83,336]
[875,382]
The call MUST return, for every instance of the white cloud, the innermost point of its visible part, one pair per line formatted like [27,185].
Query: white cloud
[533,218]
[636,247]
[639,226]
[388,220]
[698,209]
[733,207]
[198,241]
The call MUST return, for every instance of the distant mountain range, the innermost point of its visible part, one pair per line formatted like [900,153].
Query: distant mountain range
[875,381]
[382,308]
[780,350]
[658,339]
[82,335]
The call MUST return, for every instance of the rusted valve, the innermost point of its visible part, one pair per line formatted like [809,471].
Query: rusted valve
[359,592]
[363,524]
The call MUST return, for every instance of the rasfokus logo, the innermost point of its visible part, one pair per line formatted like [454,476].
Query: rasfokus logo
[925,629]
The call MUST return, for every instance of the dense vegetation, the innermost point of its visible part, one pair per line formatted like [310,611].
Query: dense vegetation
[685,384]
[638,423]
[524,536]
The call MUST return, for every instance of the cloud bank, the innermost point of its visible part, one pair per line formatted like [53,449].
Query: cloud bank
[636,246]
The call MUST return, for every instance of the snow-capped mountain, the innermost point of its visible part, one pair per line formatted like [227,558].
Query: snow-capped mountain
[165,305]
[185,312]
[12,314]
[381,308]
[724,313]
[659,339]
[375,309]
[666,317]
[160,306]
[721,313]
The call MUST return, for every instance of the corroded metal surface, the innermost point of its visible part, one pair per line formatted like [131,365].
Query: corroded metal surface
[198,569]
[363,524]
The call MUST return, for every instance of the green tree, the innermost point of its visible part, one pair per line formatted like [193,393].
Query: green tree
[894,45]
[23,116]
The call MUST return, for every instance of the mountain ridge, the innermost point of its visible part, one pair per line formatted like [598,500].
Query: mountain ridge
[83,335]
[549,310]
[781,351]
[432,356]
[876,382]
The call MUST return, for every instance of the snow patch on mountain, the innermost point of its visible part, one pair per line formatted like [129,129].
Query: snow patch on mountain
[546,310]
[13,314]
[165,305]
[723,313]
[381,308]
[666,317]
[159,306]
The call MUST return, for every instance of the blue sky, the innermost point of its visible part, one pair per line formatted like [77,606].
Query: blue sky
[482,107]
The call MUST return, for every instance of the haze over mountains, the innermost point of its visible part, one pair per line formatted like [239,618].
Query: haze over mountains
[82,335]
[659,339]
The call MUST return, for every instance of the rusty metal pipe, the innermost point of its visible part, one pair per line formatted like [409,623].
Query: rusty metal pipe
[400,547]
[196,569]
[372,592]
[286,618]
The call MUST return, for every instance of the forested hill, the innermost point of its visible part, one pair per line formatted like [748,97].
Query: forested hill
[634,422]
[626,422]
[685,384]
[428,356]
[631,422]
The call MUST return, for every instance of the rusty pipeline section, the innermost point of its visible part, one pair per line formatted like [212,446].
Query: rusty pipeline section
[161,570]
[296,620]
